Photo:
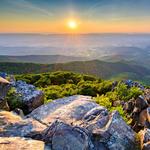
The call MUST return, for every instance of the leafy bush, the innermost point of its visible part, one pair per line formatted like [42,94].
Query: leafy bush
[14,99]
[103,101]
[120,93]
[106,102]
[125,93]
[63,83]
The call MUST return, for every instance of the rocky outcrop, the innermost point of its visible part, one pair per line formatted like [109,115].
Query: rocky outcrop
[140,112]
[73,123]
[61,136]
[17,143]
[4,87]
[131,83]
[31,98]
[70,110]
[77,122]
[145,139]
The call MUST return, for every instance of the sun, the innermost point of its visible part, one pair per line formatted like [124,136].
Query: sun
[72,24]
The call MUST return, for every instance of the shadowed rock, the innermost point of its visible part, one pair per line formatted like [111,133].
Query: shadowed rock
[63,136]
[4,87]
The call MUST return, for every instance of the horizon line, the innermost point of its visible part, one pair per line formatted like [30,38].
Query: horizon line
[55,33]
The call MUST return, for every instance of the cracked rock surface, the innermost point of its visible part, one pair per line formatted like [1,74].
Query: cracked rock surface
[72,123]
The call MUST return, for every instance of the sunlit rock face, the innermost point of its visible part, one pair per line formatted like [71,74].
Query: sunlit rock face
[72,123]
[17,143]
[80,116]
[30,96]
[13,125]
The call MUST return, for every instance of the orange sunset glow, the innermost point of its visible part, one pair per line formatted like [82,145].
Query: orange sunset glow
[91,17]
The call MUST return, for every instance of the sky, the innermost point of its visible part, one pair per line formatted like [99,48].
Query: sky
[89,16]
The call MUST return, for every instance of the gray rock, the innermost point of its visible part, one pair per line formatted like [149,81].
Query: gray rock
[19,112]
[31,98]
[146,146]
[14,125]
[145,139]
[72,123]
[103,130]
[141,103]
[117,134]
[70,109]
[129,106]
[63,136]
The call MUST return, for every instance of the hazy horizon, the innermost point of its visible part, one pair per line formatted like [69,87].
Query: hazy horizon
[83,45]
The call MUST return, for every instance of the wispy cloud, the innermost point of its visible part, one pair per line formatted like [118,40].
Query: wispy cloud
[26,5]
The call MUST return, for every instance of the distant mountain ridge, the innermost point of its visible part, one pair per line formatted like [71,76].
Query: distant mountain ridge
[41,59]
[106,70]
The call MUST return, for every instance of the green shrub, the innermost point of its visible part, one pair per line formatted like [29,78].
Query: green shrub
[125,93]
[87,89]
[103,101]
[14,100]
[134,92]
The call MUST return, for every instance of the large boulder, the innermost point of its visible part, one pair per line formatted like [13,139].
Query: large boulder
[73,123]
[139,110]
[70,110]
[111,130]
[82,122]
[31,98]
[17,143]
[62,136]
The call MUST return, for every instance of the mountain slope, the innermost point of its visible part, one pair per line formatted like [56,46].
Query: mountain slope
[42,59]
[105,70]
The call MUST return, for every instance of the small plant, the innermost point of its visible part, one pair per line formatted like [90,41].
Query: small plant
[103,101]
[121,112]
[14,99]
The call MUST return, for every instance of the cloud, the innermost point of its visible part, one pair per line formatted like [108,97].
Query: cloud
[26,5]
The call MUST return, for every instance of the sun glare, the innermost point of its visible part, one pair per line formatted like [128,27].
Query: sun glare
[72,24]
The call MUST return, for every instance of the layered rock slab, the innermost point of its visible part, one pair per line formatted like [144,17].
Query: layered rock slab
[13,125]
[98,129]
